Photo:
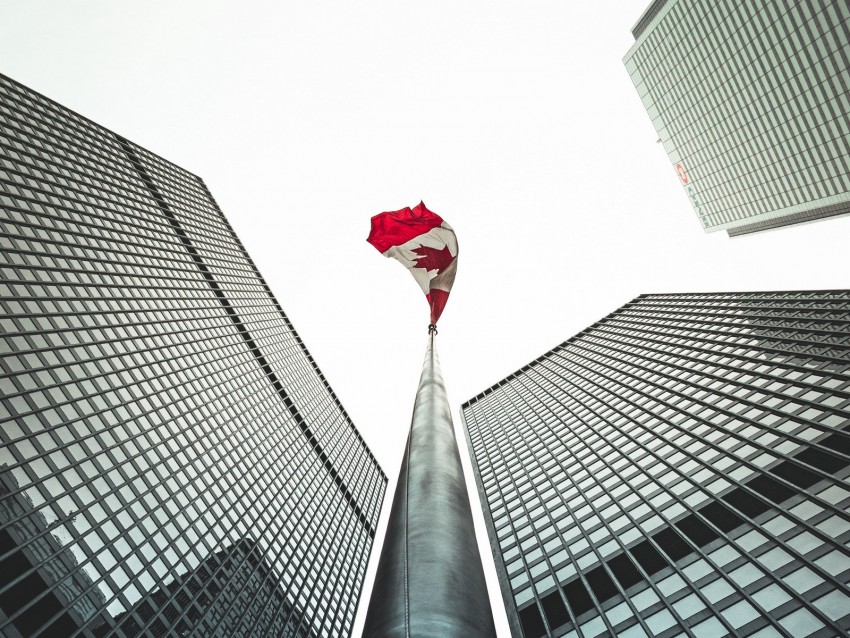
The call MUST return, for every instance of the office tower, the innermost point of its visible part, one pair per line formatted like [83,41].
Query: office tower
[679,468]
[751,101]
[173,462]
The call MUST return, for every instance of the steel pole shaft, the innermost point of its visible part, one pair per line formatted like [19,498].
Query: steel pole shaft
[430,581]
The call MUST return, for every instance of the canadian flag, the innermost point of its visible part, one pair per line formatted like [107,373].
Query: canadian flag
[425,245]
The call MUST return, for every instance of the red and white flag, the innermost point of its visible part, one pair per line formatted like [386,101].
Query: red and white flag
[425,245]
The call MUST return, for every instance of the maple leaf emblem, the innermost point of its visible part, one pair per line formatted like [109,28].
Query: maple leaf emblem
[433,258]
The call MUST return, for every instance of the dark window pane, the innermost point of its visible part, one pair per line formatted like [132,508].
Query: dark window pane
[601,584]
[672,544]
[724,518]
[698,532]
[556,612]
[746,503]
[770,488]
[821,460]
[577,597]
[648,557]
[795,474]
[532,622]
[625,571]
[838,442]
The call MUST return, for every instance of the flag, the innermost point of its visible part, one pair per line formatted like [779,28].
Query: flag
[425,245]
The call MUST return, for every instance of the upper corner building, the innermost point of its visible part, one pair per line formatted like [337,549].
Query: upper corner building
[679,468]
[751,101]
[173,462]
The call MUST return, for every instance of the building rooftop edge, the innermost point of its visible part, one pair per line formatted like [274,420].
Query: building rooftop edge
[95,124]
[647,16]
[527,366]
[201,181]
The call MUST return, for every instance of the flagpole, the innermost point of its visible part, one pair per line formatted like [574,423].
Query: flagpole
[430,581]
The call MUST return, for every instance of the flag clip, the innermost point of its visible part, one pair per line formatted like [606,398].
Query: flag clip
[432,328]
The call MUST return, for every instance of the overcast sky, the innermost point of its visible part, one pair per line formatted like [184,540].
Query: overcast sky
[515,121]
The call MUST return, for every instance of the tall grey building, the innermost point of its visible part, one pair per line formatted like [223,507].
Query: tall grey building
[173,461]
[679,468]
[751,101]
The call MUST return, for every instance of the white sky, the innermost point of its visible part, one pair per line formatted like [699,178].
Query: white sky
[515,121]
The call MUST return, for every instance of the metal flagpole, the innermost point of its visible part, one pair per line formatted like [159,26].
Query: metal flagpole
[430,581]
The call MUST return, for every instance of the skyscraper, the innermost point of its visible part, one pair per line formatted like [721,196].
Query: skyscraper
[173,460]
[751,101]
[679,468]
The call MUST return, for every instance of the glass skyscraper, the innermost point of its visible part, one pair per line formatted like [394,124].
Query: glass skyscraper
[679,468]
[173,461]
[751,101]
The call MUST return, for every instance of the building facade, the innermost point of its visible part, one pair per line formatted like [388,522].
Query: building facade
[679,468]
[173,461]
[231,593]
[751,101]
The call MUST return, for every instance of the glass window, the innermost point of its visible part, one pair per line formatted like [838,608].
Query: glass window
[619,613]
[771,597]
[774,559]
[717,590]
[805,542]
[593,627]
[834,562]
[671,585]
[834,526]
[834,605]
[697,570]
[688,606]
[711,628]
[724,555]
[751,540]
[800,623]
[523,596]
[745,575]
[644,599]
[660,621]
[778,525]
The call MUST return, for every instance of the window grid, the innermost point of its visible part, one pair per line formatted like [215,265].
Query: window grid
[753,101]
[701,440]
[168,443]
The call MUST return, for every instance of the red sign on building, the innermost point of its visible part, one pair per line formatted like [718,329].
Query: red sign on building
[682,174]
